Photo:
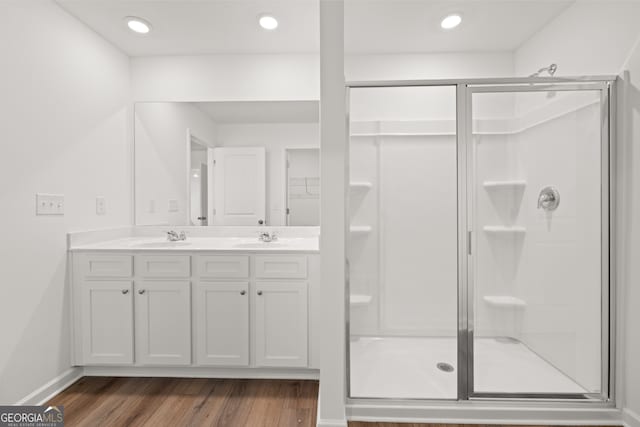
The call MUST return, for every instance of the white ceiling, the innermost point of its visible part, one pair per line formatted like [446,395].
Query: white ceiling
[413,26]
[261,111]
[186,27]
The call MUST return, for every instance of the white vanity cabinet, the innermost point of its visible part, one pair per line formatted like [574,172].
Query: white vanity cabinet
[222,323]
[141,319]
[281,313]
[205,309]
[251,310]
[106,308]
[163,322]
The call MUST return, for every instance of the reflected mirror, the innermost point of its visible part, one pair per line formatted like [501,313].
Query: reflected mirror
[227,163]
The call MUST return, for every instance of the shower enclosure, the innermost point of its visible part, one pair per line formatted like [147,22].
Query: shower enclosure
[479,239]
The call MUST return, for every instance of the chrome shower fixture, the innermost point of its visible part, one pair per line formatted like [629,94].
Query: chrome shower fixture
[551,69]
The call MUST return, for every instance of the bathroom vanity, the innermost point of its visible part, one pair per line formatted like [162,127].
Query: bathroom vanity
[208,306]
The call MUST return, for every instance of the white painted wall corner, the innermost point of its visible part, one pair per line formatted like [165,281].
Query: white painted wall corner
[50,389]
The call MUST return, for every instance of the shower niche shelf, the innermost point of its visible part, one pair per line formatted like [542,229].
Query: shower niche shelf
[357,300]
[503,230]
[360,186]
[360,230]
[506,185]
[504,301]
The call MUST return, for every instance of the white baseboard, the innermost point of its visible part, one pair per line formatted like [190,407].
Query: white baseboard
[47,391]
[630,418]
[331,423]
[201,372]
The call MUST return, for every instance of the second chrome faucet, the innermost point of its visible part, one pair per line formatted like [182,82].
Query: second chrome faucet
[173,236]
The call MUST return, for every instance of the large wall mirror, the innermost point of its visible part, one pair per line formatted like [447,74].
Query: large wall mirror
[245,163]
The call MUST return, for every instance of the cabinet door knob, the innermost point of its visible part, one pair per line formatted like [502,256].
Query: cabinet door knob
[141,291]
[259,292]
[243,292]
[125,291]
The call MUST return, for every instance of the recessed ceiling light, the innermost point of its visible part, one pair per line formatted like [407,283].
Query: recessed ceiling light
[268,22]
[451,21]
[138,25]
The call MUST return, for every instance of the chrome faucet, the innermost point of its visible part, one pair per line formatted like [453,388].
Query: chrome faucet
[173,236]
[267,236]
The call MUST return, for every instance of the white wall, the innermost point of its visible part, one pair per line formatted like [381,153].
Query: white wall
[64,129]
[588,38]
[161,148]
[275,137]
[284,77]
[428,66]
[629,233]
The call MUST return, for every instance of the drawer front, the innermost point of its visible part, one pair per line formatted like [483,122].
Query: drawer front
[223,266]
[163,266]
[281,267]
[95,265]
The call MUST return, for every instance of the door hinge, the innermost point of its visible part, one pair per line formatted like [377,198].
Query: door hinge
[469,240]
[214,162]
[288,211]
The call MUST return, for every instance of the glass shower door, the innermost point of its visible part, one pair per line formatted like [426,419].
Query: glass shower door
[403,243]
[538,275]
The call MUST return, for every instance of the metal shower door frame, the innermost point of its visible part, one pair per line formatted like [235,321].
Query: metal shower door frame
[606,87]
[465,88]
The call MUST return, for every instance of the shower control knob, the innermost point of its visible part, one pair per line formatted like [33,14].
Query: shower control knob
[548,199]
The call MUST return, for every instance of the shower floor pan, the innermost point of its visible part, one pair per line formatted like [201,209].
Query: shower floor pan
[407,368]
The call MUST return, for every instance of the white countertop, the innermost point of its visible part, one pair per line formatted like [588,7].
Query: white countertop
[226,244]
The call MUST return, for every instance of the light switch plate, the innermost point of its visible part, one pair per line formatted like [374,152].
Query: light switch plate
[101,206]
[173,205]
[49,204]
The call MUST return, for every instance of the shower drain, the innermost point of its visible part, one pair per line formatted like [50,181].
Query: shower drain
[446,367]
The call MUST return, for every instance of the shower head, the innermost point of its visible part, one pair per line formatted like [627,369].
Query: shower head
[551,69]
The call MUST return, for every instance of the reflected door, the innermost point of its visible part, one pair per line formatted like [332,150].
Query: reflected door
[539,163]
[239,186]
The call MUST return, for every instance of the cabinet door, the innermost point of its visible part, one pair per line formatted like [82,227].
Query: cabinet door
[222,323]
[281,324]
[107,322]
[163,322]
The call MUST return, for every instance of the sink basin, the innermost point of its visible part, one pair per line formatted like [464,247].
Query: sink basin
[164,244]
[259,245]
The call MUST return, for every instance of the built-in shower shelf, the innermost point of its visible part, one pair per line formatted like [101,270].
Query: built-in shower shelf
[503,230]
[504,301]
[360,186]
[511,184]
[360,230]
[360,300]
